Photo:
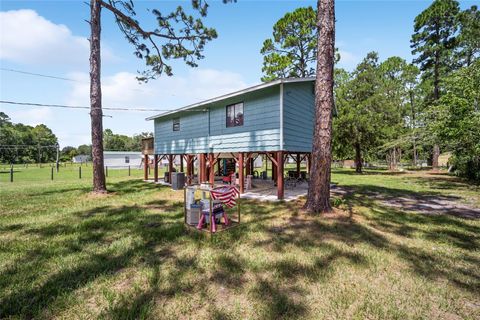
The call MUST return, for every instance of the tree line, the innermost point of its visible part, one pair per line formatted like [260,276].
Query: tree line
[395,110]
[21,143]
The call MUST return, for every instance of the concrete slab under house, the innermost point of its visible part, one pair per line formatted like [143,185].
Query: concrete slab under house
[248,137]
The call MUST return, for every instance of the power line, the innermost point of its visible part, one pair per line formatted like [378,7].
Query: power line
[68,79]
[54,77]
[84,107]
[40,75]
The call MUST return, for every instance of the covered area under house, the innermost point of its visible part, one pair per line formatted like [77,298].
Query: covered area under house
[258,138]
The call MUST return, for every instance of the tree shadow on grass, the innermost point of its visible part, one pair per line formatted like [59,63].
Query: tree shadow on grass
[426,216]
[369,172]
[444,182]
[99,226]
[278,302]
[427,203]
[277,296]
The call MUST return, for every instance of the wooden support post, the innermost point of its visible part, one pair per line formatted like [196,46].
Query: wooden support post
[201,168]
[241,179]
[155,168]
[189,170]
[211,161]
[280,189]
[145,167]
[181,163]
[205,178]
[192,164]
[274,170]
[170,167]
[298,164]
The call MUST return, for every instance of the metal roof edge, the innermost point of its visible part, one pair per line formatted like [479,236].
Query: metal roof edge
[232,94]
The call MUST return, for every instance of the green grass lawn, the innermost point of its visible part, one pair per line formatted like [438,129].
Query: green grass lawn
[65,253]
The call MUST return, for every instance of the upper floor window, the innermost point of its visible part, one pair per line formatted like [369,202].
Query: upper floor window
[127,159]
[235,115]
[176,124]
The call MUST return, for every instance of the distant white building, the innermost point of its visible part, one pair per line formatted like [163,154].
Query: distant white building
[122,159]
[81,158]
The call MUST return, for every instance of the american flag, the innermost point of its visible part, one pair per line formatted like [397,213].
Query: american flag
[226,194]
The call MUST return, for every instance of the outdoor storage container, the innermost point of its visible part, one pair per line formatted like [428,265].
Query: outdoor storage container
[193,214]
[178,180]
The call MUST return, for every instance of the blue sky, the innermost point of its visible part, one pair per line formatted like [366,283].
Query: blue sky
[49,37]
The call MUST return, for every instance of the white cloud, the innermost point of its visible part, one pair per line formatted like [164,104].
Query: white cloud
[347,59]
[31,117]
[28,38]
[123,90]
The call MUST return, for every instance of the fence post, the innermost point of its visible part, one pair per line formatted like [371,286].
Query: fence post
[11,174]
[79,172]
[129,171]
[52,173]
[106,171]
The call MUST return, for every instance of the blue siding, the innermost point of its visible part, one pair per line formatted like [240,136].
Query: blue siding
[260,131]
[298,115]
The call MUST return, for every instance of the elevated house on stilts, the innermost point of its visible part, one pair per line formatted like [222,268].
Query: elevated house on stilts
[213,138]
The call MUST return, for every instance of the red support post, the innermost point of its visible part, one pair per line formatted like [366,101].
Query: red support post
[211,161]
[155,168]
[192,164]
[189,170]
[145,167]
[170,167]
[201,168]
[241,179]
[274,170]
[280,187]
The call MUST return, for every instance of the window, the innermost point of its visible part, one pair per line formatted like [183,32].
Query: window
[176,124]
[127,159]
[235,115]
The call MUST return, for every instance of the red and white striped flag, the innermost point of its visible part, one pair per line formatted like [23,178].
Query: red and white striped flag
[226,194]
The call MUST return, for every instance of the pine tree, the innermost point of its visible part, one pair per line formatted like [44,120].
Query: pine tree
[178,36]
[469,36]
[292,52]
[434,41]
[318,198]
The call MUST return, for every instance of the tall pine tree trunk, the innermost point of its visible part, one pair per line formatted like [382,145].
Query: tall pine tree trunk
[96,115]
[436,96]
[358,158]
[318,199]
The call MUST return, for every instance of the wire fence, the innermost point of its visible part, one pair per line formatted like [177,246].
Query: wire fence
[66,171]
